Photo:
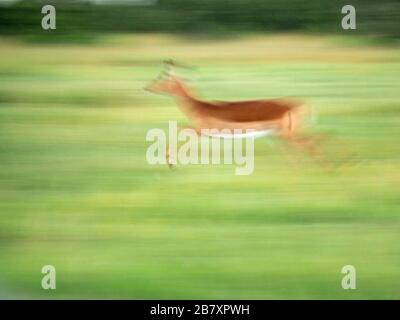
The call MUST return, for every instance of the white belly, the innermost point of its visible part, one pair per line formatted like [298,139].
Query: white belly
[241,135]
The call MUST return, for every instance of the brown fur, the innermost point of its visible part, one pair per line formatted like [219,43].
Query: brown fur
[279,114]
[253,114]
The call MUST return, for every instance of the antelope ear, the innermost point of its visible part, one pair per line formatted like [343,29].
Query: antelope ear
[168,64]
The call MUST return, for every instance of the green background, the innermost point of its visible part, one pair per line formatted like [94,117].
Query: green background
[76,191]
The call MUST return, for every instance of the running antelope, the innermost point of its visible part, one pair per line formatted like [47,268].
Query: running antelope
[263,117]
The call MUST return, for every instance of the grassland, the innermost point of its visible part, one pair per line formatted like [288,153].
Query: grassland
[77,193]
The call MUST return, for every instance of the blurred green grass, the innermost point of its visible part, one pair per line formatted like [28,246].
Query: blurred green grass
[77,193]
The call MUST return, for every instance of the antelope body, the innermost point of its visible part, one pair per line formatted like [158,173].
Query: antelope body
[275,115]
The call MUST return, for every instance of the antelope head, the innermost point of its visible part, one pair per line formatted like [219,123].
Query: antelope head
[167,82]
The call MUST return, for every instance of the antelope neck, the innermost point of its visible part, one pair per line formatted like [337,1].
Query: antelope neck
[183,95]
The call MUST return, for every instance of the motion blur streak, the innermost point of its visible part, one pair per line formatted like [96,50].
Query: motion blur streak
[76,191]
